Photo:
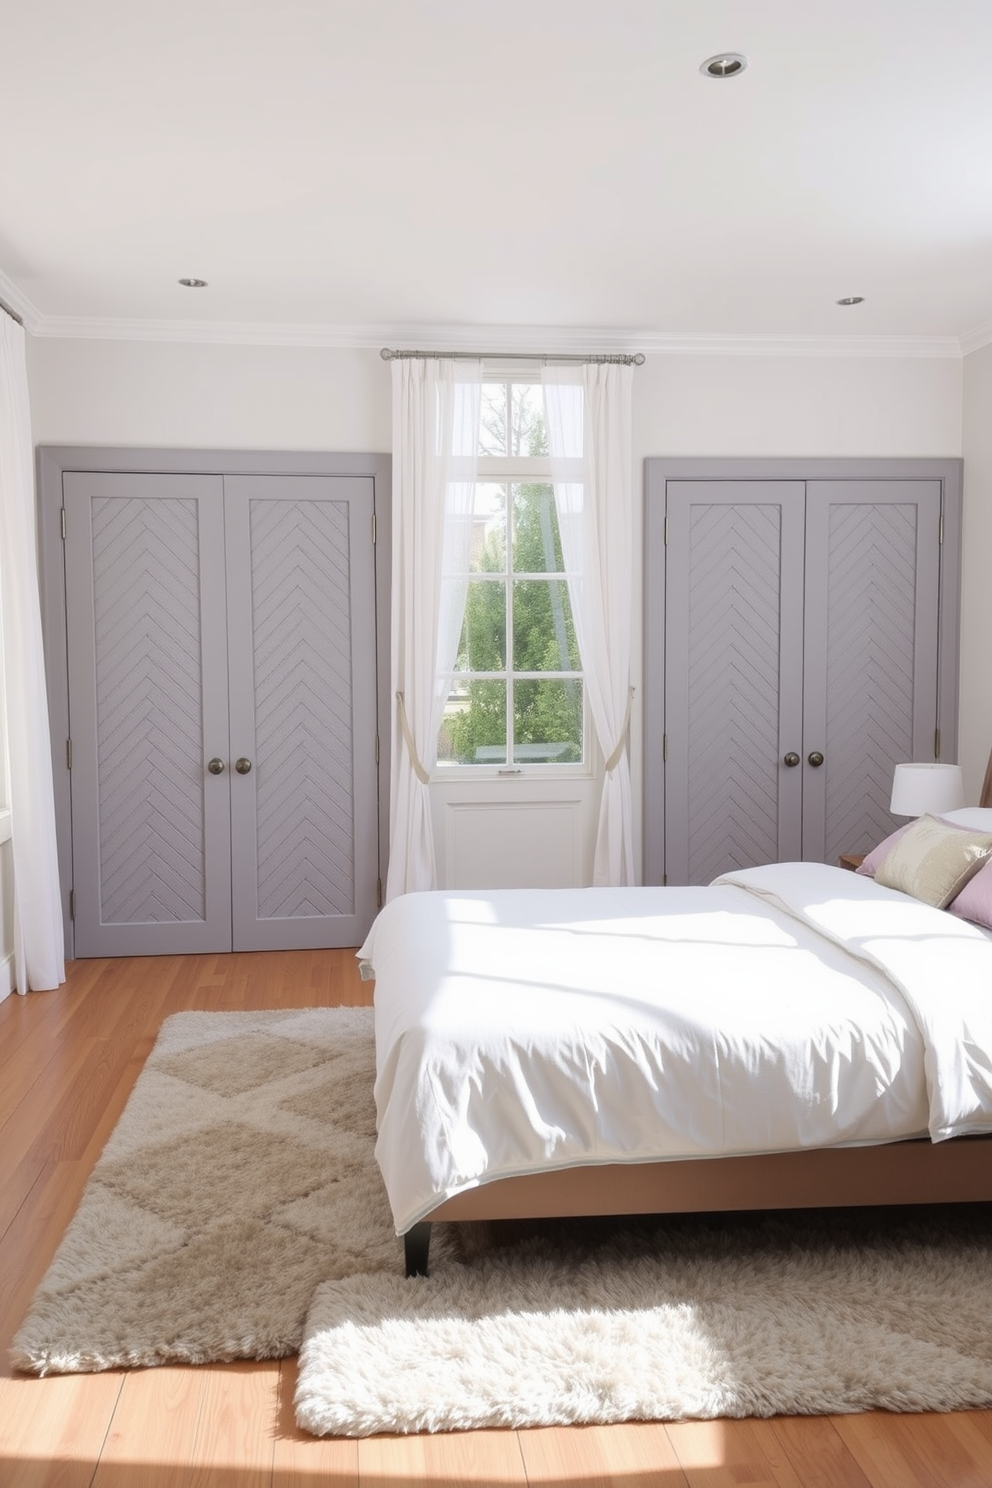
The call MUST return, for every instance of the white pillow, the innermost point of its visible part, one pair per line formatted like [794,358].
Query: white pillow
[978,818]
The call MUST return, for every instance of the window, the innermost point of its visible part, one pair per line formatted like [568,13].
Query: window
[515,696]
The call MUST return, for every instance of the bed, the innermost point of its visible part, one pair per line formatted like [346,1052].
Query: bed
[789,1036]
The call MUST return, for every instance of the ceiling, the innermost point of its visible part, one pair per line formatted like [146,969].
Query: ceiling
[532,173]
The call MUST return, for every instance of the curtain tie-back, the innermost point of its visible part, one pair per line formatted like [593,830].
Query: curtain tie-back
[621,743]
[418,768]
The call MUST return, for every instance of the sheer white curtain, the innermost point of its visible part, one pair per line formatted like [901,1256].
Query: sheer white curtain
[38,934]
[436,414]
[588,412]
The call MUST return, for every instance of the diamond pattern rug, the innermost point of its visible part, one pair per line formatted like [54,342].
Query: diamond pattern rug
[238,1178]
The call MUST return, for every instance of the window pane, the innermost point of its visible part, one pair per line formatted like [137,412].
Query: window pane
[528,435]
[473,730]
[512,420]
[482,647]
[536,540]
[547,722]
[489,528]
[543,632]
[494,428]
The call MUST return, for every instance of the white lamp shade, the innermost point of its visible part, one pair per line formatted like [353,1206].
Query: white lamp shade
[917,789]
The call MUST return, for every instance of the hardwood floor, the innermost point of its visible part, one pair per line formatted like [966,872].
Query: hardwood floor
[68,1060]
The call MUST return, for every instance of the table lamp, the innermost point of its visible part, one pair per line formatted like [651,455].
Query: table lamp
[917,789]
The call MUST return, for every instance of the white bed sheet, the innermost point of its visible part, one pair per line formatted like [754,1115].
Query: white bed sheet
[789,1007]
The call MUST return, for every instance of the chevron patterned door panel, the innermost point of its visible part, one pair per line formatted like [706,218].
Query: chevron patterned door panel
[224,619]
[871,632]
[147,687]
[303,709]
[733,675]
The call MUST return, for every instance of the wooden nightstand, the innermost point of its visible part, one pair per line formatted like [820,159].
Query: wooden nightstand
[852,860]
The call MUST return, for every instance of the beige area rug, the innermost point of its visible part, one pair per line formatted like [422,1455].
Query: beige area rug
[237,1212]
[239,1177]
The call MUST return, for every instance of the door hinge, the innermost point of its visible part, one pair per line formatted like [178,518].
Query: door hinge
[62,516]
[664,749]
[377,748]
[373,529]
[664,880]
[940,531]
[936,743]
[666,532]
[68,754]
[72,904]
[378,893]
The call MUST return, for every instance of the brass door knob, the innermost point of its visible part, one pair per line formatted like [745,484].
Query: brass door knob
[243,766]
[216,766]
[816,759]
[792,759]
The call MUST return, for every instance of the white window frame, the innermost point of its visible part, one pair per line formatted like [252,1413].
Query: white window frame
[509,470]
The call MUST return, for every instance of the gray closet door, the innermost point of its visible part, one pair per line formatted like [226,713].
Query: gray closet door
[801,664]
[225,619]
[301,592]
[147,657]
[871,644]
[733,675]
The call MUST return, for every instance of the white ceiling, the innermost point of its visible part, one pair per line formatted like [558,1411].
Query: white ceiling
[534,173]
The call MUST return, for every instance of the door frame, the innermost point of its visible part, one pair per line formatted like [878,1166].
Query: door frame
[55,461]
[659,470]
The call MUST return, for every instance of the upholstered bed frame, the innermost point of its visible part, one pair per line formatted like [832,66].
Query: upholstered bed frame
[914,1172]
[910,1172]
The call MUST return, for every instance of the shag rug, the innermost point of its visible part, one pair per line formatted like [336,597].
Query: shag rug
[237,1212]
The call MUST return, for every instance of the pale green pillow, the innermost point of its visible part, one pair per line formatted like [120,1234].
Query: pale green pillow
[933,861]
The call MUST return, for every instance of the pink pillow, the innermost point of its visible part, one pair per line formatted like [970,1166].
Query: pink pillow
[871,862]
[876,855]
[975,900]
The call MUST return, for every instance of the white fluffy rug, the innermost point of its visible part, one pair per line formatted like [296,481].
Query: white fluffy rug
[237,1212]
[754,1317]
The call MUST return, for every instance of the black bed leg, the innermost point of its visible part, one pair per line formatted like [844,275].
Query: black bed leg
[416,1244]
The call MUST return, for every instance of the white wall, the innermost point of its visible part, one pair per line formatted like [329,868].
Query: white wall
[258,397]
[208,397]
[976,615]
[776,405]
[221,397]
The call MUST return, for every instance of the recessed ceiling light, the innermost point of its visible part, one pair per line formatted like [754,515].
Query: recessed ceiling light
[851,300]
[194,283]
[724,65]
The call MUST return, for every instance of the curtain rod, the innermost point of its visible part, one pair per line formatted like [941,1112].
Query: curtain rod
[621,358]
[12,313]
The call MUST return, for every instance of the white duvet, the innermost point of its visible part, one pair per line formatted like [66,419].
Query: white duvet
[790,1006]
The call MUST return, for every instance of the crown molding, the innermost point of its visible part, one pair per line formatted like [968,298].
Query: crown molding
[15,299]
[975,339]
[550,339]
